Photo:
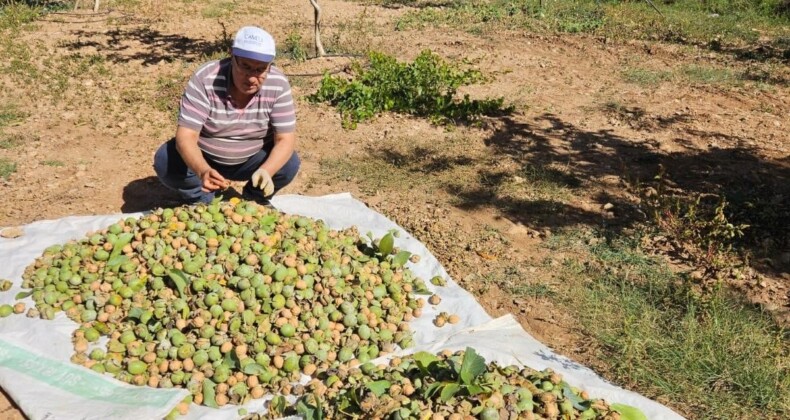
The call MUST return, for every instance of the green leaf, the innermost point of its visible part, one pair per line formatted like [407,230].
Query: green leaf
[455,365]
[401,258]
[476,390]
[472,366]
[267,222]
[344,402]
[278,405]
[116,261]
[253,369]
[386,244]
[123,240]
[579,403]
[22,295]
[180,280]
[209,397]
[432,389]
[379,387]
[449,391]
[135,313]
[628,412]
[309,411]
[231,360]
[424,360]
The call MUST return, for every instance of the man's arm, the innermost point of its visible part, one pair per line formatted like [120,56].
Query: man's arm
[187,146]
[284,145]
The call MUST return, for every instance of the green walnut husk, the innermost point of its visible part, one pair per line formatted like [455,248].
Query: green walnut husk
[231,300]
[455,386]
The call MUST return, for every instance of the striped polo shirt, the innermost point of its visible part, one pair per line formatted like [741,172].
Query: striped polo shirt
[230,136]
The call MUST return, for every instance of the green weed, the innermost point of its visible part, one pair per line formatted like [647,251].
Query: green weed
[7,167]
[14,14]
[535,291]
[9,114]
[371,174]
[19,66]
[543,187]
[356,36]
[709,75]
[218,9]
[168,93]
[721,357]
[78,65]
[717,24]
[426,87]
[53,163]
[646,77]
[294,47]
[7,142]
[698,224]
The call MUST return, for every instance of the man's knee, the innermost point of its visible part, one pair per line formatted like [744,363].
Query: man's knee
[288,172]
[164,160]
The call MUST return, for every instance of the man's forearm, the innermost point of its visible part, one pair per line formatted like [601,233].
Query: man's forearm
[284,146]
[187,146]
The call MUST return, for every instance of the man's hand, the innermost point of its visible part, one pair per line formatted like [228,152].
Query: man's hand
[261,179]
[213,180]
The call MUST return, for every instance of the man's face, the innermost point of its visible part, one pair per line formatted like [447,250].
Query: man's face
[248,74]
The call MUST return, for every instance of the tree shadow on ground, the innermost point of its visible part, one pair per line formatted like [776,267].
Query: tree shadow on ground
[757,189]
[147,45]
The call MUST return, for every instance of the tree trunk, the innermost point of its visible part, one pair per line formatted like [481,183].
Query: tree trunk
[319,48]
[95,5]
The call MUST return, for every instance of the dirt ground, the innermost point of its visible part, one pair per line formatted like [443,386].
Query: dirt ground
[87,143]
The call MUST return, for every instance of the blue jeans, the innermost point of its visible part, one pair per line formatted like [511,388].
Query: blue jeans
[174,173]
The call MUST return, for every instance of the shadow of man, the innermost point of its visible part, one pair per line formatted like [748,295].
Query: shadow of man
[148,193]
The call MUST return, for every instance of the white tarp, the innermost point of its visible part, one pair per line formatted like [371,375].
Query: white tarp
[34,354]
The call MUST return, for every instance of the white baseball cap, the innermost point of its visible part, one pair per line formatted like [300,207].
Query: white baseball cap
[254,43]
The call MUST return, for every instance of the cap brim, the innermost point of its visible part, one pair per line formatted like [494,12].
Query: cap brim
[266,58]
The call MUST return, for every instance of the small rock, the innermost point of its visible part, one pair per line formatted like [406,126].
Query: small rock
[518,229]
[12,232]
[608,206]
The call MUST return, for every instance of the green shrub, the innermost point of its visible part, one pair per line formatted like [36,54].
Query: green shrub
[426,87]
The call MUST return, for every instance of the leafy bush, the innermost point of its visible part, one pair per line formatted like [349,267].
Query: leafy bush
[426,87]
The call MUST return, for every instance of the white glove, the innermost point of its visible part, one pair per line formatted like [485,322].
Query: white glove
[261,179]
